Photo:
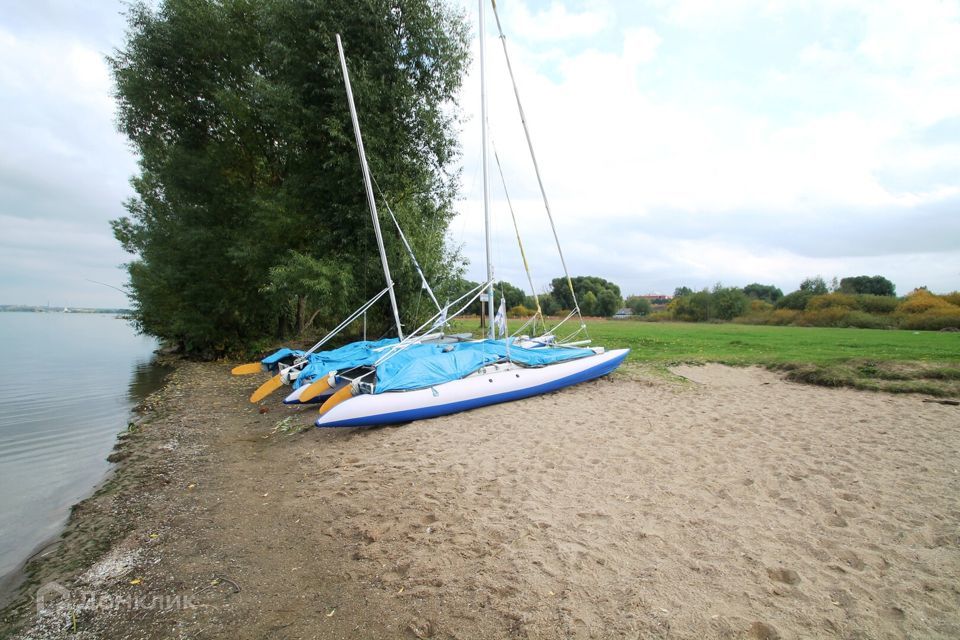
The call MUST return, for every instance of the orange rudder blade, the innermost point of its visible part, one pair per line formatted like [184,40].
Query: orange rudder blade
[266,388]
[314,389]
[247,369]
[343,394]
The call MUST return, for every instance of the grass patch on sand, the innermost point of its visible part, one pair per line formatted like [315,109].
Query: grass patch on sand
[892,377]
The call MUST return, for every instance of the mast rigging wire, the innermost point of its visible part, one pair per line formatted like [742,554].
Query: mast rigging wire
[536,167]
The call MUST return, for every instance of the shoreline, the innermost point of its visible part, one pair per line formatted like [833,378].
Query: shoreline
[12,582]
[689,509]
[51,559]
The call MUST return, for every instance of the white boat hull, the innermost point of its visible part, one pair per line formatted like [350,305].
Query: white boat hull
[491,385]
[294,396]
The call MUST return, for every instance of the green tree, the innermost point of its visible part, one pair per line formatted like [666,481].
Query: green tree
[728,302]
[301,278]
[796,300]
[682,291]
[767,292]
[722,303]
[693,307]
[815,285]
[249,216]
[589,304]
[583,285]
[875,285]
[453,288]
[608,303]
[513,295]
[639,306]
[548,304]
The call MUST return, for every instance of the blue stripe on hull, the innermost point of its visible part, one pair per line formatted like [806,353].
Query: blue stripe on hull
[314,400]
[464,405]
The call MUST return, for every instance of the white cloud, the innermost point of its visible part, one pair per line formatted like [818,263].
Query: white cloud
[555,23]
[696,13]
[640,45]
[920,36]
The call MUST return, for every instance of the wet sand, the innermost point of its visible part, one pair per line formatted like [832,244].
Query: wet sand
[724,504]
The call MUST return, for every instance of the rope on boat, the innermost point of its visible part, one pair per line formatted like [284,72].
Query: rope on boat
[403,238]
[536,167]
[523,254]
[340,327]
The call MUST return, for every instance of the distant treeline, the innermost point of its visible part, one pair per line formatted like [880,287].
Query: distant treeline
[43,309]
[863,301]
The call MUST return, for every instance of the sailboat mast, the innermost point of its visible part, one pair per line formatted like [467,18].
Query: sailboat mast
[486,179]
[369,186]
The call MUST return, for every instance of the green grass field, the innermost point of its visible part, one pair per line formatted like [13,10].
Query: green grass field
[882,360]
[769,345]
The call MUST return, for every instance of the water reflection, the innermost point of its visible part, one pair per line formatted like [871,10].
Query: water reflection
[145,378]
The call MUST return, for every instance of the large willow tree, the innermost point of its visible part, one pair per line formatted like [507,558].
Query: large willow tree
[249,218]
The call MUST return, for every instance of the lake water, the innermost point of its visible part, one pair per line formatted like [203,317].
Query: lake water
[67,385]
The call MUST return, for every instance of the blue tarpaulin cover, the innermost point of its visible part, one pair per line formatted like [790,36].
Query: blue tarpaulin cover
[274,358]
[350,355]
[419,366]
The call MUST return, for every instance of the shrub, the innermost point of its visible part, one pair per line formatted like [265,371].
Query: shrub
[796,300]
[760,307]
[639,306]
[758,313]
[933,319]
[832,300]
[876,304]
[843,317]
[659,316]
[953,297]
[921,301]
[828,317]
[519,311]
[864,320]
[727,303]
[783,316]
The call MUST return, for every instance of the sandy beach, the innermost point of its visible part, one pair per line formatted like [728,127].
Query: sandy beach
[722,503]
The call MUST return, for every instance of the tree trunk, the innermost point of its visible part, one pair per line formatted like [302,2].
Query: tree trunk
[301,313]
[313,317]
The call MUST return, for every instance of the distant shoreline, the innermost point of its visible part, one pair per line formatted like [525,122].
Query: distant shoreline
[21,308]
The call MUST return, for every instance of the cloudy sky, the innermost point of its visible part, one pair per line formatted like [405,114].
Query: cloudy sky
[681,143]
